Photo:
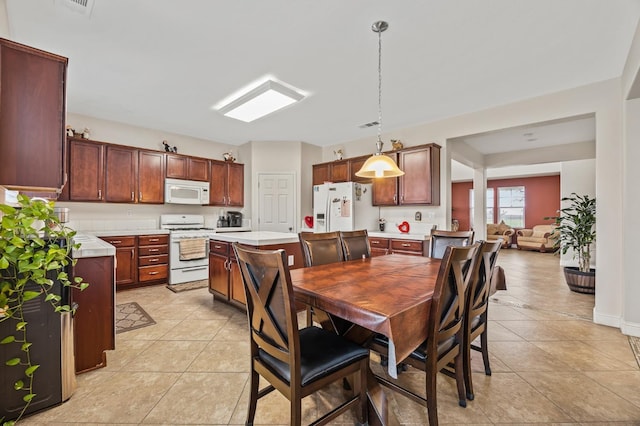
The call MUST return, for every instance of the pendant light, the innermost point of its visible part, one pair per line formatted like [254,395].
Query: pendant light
[379,165]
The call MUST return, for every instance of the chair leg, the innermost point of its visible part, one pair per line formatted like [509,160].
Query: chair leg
[360,385]
[462,400]
[485,351]
[253,397]
[466,367]
[432,399]
[309,317]
[296,411]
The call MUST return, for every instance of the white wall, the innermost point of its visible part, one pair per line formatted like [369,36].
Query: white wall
[4,20]
[579,177]
[603,99]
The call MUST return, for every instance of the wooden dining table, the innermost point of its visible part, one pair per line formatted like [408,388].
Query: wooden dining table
[390,295]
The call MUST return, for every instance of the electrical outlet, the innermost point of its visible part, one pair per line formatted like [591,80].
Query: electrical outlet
[290,260]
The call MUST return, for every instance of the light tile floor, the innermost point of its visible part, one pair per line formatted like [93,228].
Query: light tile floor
[550,363]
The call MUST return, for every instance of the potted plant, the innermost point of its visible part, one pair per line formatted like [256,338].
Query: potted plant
[576,224]
[33,265]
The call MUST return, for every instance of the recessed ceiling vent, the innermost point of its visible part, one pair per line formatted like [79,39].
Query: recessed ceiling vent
[83,7]
[367,125]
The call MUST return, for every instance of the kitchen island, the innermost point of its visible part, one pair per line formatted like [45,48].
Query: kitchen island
[225,280]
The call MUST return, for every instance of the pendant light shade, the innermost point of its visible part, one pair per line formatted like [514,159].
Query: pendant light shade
[379,165]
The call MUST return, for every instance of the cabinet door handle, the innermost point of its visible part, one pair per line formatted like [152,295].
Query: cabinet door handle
[153,240]
[116,242]
[406,245]
[99,194]
[153,250]
[155,259]
[395,198]
[217,246]
[133,196]
[153,273]
[375,242]
[132,253]
[140,195]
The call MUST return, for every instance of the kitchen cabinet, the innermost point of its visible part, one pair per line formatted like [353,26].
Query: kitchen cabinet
[225,280]
[32,118]
[151,177]
[153,258]
[185,167]
[120,174]
[420,185]
[335,171]
[126,260]
[94,320]
[86,170]
[379,246]
[411,247]
[226,187]
[356,164]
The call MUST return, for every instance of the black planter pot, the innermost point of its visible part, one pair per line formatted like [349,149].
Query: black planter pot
[580,282]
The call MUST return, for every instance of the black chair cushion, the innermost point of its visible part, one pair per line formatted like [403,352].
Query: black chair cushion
[420,353]
[321,353]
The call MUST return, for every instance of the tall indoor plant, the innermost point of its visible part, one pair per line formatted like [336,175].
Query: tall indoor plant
[576,224]
[32,259]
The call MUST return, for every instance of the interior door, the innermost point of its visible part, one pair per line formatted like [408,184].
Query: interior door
[276,202]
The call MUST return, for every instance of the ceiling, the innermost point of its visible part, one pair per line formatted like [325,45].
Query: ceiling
[163,64]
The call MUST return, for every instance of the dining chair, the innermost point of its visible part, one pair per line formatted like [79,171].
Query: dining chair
[295,362]
[476,311]
[321,248]
[444,344]
[441,239]
[355,244]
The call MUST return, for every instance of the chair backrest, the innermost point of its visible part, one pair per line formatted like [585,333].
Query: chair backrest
[271,310]
[457,271]
[440,240]
[478,294]
[355,244]
[321,248]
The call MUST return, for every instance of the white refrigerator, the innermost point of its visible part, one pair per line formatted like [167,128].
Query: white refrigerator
[344,206]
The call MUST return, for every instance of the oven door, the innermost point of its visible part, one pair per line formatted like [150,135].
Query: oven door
[189,259]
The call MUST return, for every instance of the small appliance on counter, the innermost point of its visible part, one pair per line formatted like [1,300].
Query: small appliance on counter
[234,219]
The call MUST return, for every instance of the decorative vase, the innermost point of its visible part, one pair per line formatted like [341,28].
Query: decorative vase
[580,282]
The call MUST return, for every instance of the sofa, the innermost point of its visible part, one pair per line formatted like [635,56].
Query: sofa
[500,230]
[542,238]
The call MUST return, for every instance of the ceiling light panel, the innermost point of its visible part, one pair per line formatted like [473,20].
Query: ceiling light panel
[265,99]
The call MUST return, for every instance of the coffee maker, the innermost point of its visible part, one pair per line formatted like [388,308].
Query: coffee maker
[234,219]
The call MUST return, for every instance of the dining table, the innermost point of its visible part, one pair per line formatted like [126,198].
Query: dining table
[388,295]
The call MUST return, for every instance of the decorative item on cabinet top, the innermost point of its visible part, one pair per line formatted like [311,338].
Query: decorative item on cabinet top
[228,156]
[168,147]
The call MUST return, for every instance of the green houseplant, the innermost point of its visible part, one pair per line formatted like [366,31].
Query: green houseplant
[31,260]
[576,224]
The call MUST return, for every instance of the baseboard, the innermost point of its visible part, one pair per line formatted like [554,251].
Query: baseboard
[630,328]
[604,319]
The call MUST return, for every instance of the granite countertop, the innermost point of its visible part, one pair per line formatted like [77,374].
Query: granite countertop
[258,238]
[91,246]
[124,233]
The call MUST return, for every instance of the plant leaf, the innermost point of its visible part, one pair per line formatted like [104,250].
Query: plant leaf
[18,385]
[28,397]
[28,295]
[13,361]
[30,370]
[8,339]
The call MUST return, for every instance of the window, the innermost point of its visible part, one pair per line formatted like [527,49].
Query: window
[488,204]
[511,206]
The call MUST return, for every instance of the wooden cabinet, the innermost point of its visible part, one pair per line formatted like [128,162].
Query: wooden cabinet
[94,320]
[379,246]
[225,280]
[356,164]
[153,258]
[126,260]
[151,177]
[227,184]
[32,118]
[420,185]
[335,171]
[184,167]
[120,174]
[412,247]
[86,170]
[114,173]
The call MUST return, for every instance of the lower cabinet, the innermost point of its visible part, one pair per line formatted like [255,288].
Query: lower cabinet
[140,260]
[379,246]
[94,320]
[225,279]
[412,247]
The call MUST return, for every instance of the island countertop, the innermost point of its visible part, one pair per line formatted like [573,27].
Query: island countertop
[257,238]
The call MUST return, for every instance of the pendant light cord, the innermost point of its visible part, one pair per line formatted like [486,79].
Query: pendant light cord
[380,88]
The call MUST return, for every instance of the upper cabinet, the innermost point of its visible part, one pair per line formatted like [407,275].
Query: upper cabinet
[114,173]
[226,184]
[32,118]
[420,184]
[184,167]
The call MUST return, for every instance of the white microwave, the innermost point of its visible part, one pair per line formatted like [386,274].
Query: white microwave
[180,191]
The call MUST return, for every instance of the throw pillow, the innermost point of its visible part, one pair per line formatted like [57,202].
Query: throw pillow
[502,227]
[492,229]
[538,234]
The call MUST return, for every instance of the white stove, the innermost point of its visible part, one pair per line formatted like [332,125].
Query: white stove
[189,247]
